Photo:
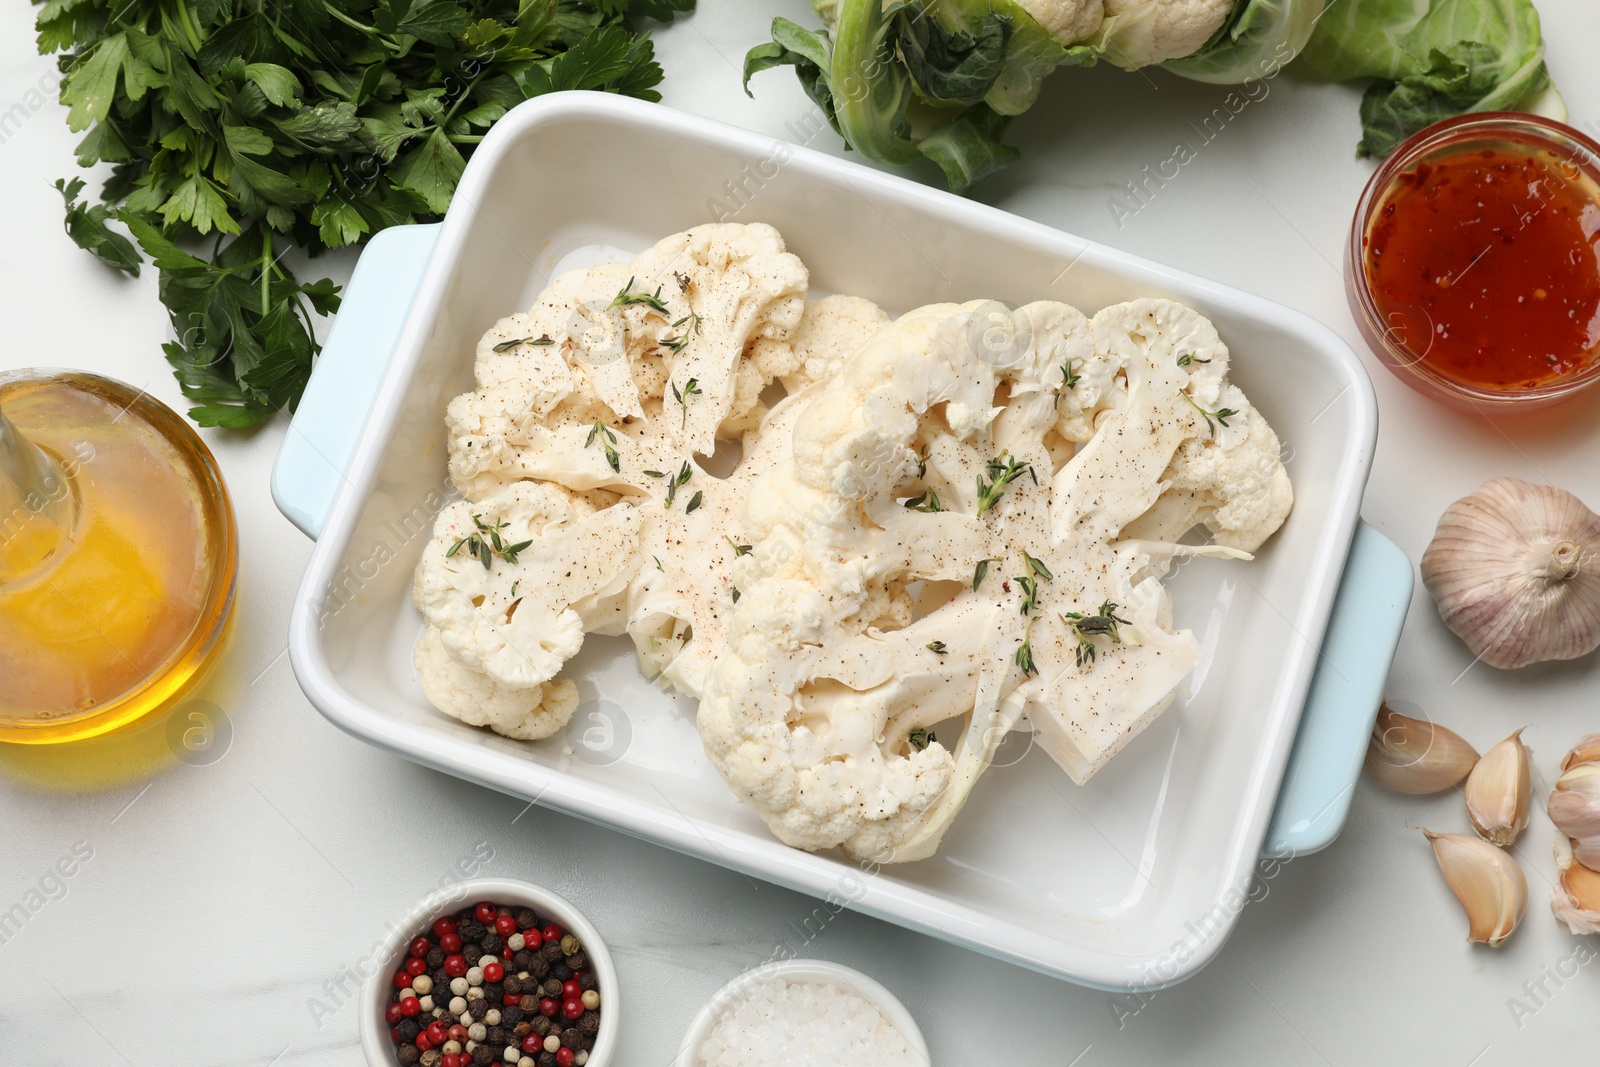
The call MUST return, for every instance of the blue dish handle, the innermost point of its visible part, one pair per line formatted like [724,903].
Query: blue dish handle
[1345,690]
[322,436]
[1343,702]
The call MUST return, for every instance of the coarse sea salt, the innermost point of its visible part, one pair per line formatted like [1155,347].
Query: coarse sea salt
[803,1024]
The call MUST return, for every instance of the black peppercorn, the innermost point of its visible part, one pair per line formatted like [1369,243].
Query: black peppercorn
[491,943]
[521,958]
[435,956]
[589,1022]
[513,986]
[527,919]
[570,1037]
[587,982]
[512,1014]
[521,1030]
[547,1059]
[409,1029]
[498,1037]
[482,1056]
[552,989]
[471,951]
[470,930]
[408,1055]
[551,951]
[541,1025]
[494,992]
[561,971]
[539,968]
[578,961]
[587,1043]
[529,1003]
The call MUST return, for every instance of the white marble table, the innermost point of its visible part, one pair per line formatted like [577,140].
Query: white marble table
[221,902]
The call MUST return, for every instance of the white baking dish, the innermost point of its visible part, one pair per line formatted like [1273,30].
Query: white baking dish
[1132,881]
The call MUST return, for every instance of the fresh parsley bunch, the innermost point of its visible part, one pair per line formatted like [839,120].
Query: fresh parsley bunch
[238,129]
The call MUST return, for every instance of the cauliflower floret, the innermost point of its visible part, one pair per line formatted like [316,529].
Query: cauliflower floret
[513,581]
[1068,21]
[830,330]
[1137,33]
[526,714]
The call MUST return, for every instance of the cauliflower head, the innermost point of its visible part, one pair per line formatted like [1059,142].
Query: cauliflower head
[949,542]
[529,713]
[1137,33]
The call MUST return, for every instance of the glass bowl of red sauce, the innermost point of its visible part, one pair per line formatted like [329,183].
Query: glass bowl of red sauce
[1473,268]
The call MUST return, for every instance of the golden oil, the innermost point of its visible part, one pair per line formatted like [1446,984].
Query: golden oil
[117,563]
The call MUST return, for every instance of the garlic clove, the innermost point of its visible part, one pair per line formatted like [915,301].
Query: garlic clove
[1515,571]
[1585,751]
[1575,899]
[1487,882]
[1498,791]
[1416,756]
[1574,804]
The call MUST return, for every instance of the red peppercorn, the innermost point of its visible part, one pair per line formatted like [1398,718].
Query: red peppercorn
[564,1057]
[572,1009]
[533,1043]
[552,932]
[455,966]
[415,966]
[532,939]
[457,1033]
[450,944]
[423,1044]
[505,925]
[437,1033]
[511,998]
[394,1034]
[486,912]
[548,1008]
[443,926]
[571,990]
[391,1014]
[402,980]
[420,946]
[410,1006]
[451,1059]
[493,972]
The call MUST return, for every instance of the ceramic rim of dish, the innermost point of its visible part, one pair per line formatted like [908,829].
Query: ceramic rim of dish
[819,971]
[375,1041]
[188,659]
[1532,131]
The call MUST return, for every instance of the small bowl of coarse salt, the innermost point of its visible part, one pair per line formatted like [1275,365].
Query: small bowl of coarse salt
[803,1013]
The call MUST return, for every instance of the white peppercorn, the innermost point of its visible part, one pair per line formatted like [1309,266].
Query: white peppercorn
[422,984]
[477,1032]
[492,1017]
[474,975]
[458,1005]
[458,986]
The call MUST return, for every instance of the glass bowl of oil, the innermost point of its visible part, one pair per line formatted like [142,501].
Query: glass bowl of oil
[118,556]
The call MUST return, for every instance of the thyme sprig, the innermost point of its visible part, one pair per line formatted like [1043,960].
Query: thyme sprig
[542,340]
[1103,623]
[690,388]
[1030,590]
[981,571]
[1002,472]
[1188,358]
[486,543]
[607,438]
[926,501]
[1037,567]
[627,298]
[1221,415]
[738,549]
[677,481]
[1069,380]
[936,647]
[921,738]
[676,344]
[1024,654]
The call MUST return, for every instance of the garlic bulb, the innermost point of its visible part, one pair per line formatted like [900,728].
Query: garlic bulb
[1575,898]
[1487,882]
[1574,804]
[1515,571]
[1416,756]
[1498,790]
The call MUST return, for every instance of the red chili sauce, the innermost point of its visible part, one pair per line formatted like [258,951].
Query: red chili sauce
[1486,265]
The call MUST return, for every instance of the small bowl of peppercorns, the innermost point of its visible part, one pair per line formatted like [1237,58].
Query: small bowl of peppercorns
[501,973]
